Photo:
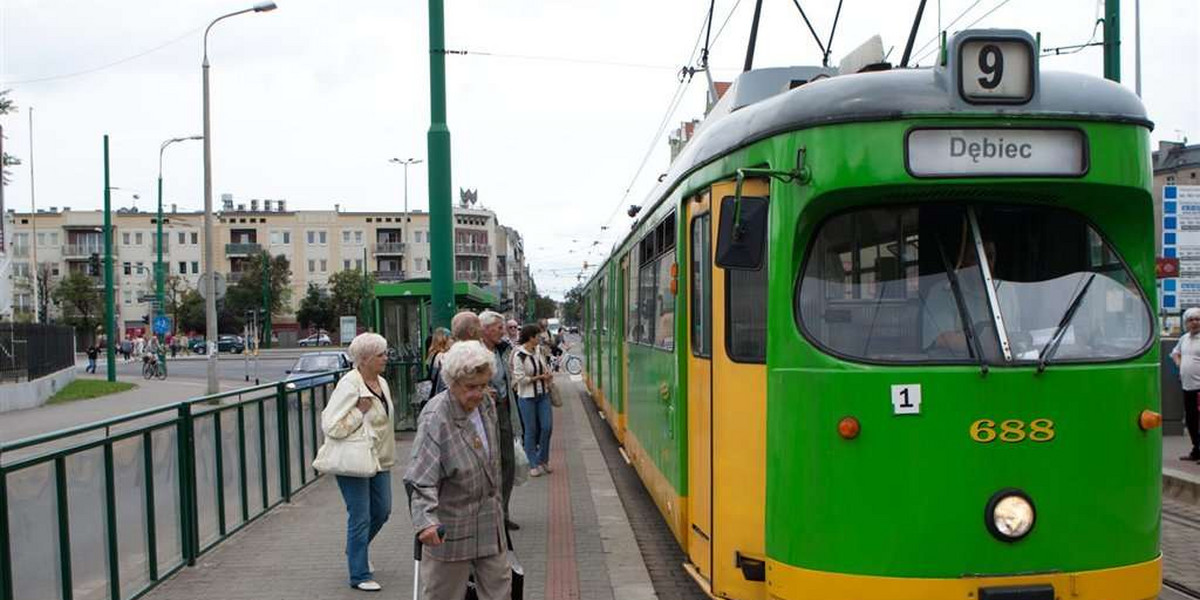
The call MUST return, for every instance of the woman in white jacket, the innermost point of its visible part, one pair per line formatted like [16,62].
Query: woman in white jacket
[362,399]
[532,377]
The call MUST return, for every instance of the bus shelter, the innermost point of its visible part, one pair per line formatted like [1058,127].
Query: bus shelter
[403,311]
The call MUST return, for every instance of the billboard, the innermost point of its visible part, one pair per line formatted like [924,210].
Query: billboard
[1181,240]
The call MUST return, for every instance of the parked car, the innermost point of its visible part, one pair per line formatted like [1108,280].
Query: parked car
[309,363]
[317,339]
[225,343]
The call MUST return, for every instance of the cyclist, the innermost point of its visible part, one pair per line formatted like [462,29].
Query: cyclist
[151,352]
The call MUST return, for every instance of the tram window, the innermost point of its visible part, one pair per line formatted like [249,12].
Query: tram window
[746,314]
[664,314]
[631,310]
[654,300]
[880,284]
[701,280]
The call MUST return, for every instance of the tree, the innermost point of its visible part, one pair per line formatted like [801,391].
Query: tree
[352,290]
[45,289]
[189,311]
[80,302]
[7,160]
[316,308]
[247,293]
[175,289]
[572,306]
[544,307]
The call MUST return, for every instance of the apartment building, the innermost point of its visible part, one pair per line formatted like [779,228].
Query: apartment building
[318,243]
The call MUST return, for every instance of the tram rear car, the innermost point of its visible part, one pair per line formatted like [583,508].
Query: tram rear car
[888,335]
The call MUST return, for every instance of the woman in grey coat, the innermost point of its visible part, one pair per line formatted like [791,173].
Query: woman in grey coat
[455,479]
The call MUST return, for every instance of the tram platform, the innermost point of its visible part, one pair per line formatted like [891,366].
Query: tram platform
[575,542]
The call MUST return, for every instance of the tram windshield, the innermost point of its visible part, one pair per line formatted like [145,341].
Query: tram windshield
[910,284]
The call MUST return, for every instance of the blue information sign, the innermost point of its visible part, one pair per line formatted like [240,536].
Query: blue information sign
[162,323]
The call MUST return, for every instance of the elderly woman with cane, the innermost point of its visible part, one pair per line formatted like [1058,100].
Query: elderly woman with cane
[360,448]
[454,481]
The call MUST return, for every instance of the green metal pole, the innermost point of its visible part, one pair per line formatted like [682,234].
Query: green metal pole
[159,272]
[266,277]
[441,212]
[1112,40]
[366,302]
[109,314]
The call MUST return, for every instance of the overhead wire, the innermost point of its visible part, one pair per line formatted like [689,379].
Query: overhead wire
[107,65]
[971,24]
[938,35]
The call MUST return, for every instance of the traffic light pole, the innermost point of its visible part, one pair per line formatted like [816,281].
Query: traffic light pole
[441,212]
[110,352]
[159,271]
[265,342]
[1112,40]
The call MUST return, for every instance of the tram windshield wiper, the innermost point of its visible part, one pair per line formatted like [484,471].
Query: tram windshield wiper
[975,347]
[1052,343]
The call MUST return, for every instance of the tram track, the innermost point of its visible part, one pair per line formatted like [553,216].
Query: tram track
[1177,585]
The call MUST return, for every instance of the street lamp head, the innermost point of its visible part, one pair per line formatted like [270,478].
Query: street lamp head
[265,6]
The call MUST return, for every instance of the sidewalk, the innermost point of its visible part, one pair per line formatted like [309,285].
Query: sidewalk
[297,551]
[148,394]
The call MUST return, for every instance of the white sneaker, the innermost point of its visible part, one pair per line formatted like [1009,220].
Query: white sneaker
[546,469]
[535,472]
[369,586]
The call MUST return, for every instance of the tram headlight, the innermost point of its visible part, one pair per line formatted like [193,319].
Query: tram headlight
[1010,515]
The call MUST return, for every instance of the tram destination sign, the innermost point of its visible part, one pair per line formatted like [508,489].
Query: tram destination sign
[1181,242]
[996,153]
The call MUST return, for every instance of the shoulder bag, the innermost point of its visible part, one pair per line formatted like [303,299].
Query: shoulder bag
[352,456]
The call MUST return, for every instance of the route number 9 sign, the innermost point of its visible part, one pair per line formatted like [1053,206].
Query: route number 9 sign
[995,71]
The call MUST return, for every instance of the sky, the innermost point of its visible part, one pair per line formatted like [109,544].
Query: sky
[552,111]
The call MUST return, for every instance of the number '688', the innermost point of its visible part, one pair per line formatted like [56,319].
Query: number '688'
[1012,431]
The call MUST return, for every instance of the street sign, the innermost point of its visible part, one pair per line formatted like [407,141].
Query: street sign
[1166,267]
[1181,241]
[162,324]
[221,286]
[348,327]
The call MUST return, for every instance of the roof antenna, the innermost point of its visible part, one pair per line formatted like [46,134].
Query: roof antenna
[912,35]
[753,37]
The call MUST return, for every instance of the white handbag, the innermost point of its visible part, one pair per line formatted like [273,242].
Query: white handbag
[352,456]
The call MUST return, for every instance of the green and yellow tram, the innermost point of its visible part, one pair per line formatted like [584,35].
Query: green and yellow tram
[888,335]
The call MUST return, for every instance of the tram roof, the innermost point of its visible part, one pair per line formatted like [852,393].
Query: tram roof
[763,103]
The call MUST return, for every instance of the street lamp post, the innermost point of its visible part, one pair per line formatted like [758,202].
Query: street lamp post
[159,270]
[406,162]
[210,299]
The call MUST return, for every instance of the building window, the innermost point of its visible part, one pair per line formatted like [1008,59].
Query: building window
[312,237]
[358,235]
[345,264]
[321,237]
[195,238]
[128,268]
[124,238]
[182,267]
[345,236]
[141,268]
[358,264]
[54,235]
[324,265]
[195,267]
[128,296]
[20,269]
[137,238]
[312,264]
[182,238]
[417,236]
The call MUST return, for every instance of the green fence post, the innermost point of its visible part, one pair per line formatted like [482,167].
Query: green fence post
[216,417]
[262,453]
[242,462]
[110,514]
[6,574]
[300,435]
[285,476]
[188,515]
[151,526]
[64,528]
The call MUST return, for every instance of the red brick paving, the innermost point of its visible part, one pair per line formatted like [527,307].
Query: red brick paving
[562,575]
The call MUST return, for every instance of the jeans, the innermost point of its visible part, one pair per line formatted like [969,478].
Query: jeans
[1191,419]
[539,421]
[368,505]
[91,368]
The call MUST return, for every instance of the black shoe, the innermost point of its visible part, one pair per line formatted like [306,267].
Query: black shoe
[1194,456]
[510,525]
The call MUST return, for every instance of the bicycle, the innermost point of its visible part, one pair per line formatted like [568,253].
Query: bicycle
[156,368]
[565,360]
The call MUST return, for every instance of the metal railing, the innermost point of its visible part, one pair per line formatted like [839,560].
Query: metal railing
[84,250]
[389,248]
[242,249]
[32,350]
[391,275]
[111,509]
[472,249]
[473,276]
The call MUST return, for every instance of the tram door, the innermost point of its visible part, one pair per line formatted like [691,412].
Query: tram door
[699,377]
[739,416]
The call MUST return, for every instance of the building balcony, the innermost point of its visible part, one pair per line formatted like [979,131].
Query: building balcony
[473,249]
[391,275]
[21,251]
[70,251]
[245,249]
[479,277]
[389,248]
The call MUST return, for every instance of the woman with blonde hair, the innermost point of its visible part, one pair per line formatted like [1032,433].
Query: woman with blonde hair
[362,399]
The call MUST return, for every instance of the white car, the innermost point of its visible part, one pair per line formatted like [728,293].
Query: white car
[317,339]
